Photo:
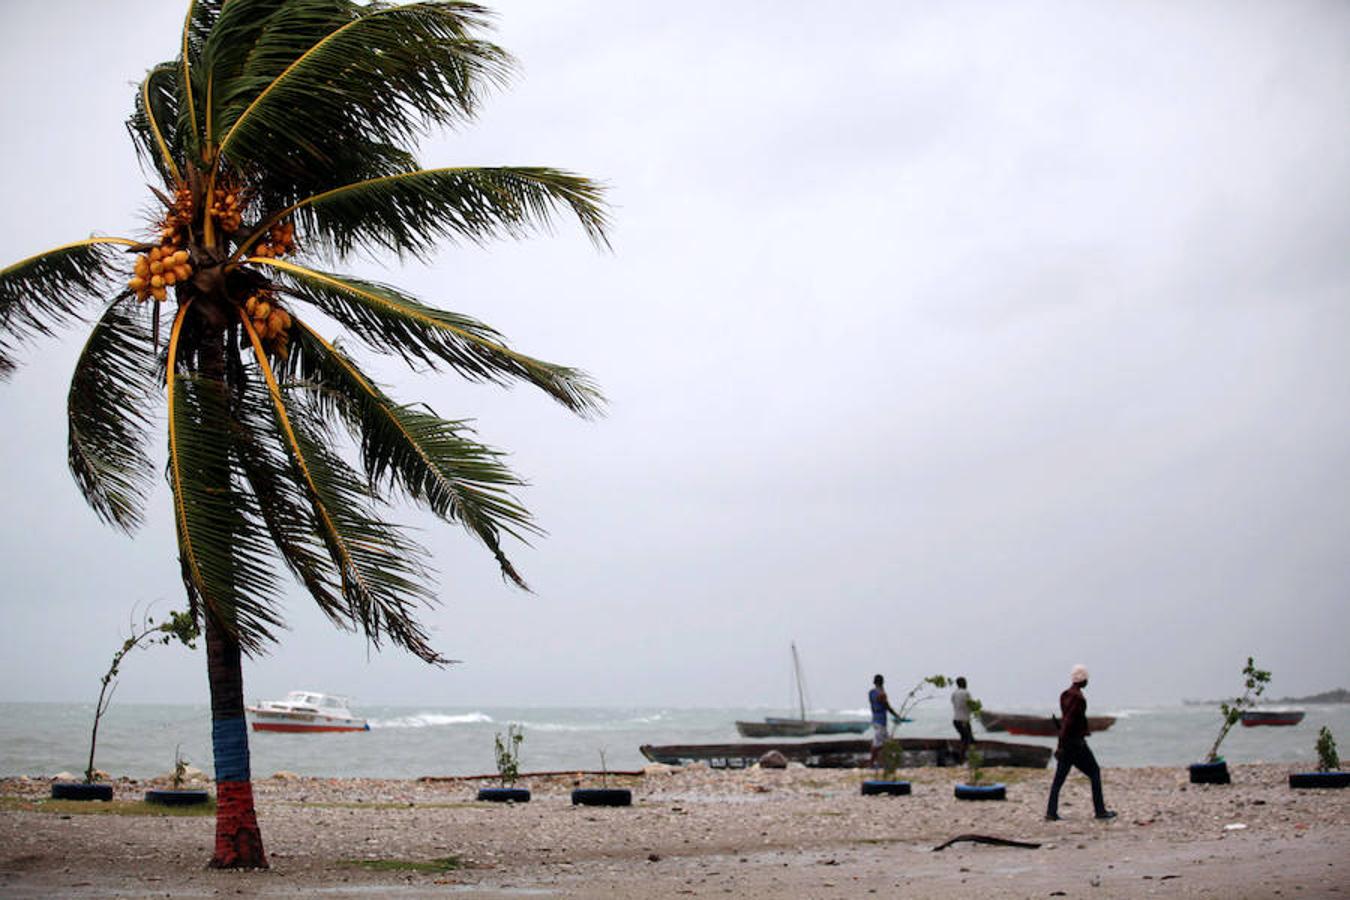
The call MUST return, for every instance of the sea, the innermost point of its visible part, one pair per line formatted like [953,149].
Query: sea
[141,740]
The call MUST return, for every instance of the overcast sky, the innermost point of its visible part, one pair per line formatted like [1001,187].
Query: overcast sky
[981,338]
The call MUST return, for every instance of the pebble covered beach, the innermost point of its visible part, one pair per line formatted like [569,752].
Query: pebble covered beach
[693,831]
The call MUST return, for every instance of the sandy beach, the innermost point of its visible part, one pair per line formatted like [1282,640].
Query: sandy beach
[695,832]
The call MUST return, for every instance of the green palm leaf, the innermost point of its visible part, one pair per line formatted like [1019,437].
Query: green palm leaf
[394,322]
[431,460]
[109,410]
[153,125]
[201,18]
[411,212]
[281,502]
[46,291]
[381,76]
[226,561]
[382,573]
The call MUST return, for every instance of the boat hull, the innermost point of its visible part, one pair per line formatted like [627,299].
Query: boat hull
[785,728]
[301,728]
[1036,726]
[853,753]
[1278,717]
[821,727]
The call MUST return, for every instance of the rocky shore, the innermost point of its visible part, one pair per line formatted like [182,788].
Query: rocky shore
[696,832]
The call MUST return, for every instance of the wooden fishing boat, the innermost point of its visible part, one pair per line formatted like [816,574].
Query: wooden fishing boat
[1035,726]
[1253,717]
[851,753]
[800,726]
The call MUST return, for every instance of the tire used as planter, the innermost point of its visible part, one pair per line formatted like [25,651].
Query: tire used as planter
[78,790]
[1319,779]
[885,788]
[504,795]
[602,797]
[981,792]
[168,797]
[1210,773]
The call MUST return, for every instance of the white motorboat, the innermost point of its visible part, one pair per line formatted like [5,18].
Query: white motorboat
[306,711]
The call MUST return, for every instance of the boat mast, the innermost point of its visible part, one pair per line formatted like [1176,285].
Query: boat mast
[797,679]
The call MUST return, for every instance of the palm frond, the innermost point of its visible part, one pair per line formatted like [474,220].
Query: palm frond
[225,560]
[281,501]
[46,291]
[411,212]
[381,77]
[108,408]
[391,321]
[382,572]
[153,125]
[198,24]
[433,461]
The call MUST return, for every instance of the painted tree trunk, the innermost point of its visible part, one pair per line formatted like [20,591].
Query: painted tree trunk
[238,839]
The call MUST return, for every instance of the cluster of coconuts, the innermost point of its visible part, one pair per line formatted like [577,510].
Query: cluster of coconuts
[272,323]
[227,208]
[179,217]
[158,270]
[280,241]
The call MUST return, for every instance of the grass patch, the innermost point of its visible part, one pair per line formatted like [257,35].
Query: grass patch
[433,866]
[105,807]
[386,805]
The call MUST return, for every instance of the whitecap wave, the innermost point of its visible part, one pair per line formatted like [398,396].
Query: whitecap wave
[431,720]
[647,720]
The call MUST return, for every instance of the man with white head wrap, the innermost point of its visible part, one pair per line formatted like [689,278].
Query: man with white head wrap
[1073,750]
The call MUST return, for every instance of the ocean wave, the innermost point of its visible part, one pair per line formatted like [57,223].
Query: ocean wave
[647,720]
[430,720]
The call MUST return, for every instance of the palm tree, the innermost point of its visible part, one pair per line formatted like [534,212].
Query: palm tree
[282,126]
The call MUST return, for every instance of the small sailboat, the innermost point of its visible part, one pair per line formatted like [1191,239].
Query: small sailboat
[800,726]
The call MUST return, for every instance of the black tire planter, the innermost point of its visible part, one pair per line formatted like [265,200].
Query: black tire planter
[78,790]
[981,792]
[1210,773]
[1319,779]
[885,788]
[504,795]
[602,797]
[168,797]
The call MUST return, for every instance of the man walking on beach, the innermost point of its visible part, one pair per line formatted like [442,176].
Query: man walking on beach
[961,716]
[1073,750]
[876,698]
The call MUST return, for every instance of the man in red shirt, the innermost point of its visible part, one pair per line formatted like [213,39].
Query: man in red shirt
[1073,750]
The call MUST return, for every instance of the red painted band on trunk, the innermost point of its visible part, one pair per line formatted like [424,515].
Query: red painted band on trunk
[238,840]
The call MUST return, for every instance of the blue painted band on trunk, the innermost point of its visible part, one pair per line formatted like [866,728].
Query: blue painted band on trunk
[229,744]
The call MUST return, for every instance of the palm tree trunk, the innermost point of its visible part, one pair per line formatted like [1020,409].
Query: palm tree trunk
[238,839]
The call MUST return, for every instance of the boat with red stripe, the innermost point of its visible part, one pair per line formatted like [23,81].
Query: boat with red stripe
[303,712]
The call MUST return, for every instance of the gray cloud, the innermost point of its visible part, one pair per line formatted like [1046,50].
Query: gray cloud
[980,337]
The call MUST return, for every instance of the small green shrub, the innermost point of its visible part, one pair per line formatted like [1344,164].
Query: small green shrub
[974,761]
[1327,758]
[1255,680]
[508,754]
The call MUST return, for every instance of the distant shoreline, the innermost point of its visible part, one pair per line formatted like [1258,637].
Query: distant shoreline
[1337,695]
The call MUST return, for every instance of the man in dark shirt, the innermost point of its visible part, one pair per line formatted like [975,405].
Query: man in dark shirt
[1073,750]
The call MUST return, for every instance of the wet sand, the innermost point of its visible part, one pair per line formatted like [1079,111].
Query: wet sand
[694,832]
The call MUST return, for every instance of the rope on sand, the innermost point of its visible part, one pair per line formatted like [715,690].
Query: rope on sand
[986,839]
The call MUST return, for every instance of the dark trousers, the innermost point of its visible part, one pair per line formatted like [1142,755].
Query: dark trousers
[967,738]
[1078,755]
